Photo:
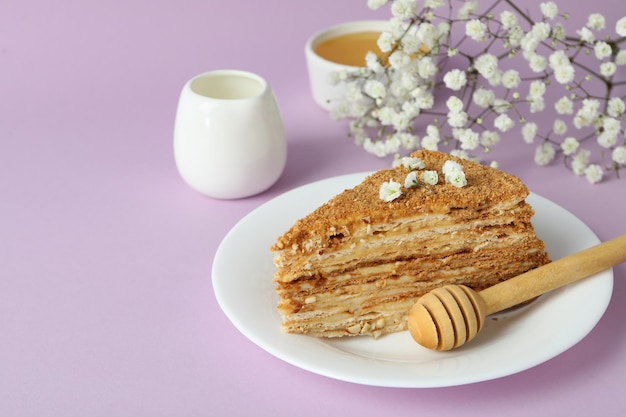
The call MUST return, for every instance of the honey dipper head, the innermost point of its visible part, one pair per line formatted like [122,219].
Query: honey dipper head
[447,317]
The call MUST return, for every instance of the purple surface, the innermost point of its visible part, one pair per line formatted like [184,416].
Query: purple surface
[106,305]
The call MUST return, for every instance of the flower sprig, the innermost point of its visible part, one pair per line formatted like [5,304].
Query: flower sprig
[425,54]
[452,171]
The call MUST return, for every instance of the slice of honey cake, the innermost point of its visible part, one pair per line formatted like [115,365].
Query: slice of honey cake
[358,263]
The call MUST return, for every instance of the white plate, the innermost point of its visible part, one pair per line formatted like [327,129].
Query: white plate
[510,342]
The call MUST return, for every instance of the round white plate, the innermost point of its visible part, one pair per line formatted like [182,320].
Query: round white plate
[510,342]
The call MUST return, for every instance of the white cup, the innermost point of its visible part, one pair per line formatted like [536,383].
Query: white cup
[320,68]
[229,138]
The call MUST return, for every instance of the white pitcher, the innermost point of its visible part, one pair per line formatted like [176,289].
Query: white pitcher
[229,139]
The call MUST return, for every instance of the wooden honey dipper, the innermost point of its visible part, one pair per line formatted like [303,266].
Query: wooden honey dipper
[452,315]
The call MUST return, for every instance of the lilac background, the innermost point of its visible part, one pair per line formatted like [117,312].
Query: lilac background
[106,305]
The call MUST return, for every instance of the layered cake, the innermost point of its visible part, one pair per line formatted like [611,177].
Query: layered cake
[357,264]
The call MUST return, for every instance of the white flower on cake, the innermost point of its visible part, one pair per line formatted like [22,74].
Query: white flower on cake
[430,177]
[494,66]
[411,180]
[390,190]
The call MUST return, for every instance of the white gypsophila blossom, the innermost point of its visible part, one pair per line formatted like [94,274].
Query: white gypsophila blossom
[549,9]
[616,107]
[564,105]
[607,139]
[389,191]
[602,50]
[619,155]
[427,68]
[580,161]
[489,138]
[487,65]
[587,114]
[536,104]
[434,4]
[541,31]
[374,89]
[372,62]
[596,21]
[454,104]
[455,79]
[469,8]
[403,9]
[469,139]
[409,141]
[430,177]
[586,35]
[399,59]
[529,131]
[457,118]
[620,27]
[457,178]
[607,69]
[559,127]
[483,97]
[508,20]
[594,173]
[620,58]
[503,122]
[536,62]
[450,166]
[411,180]
[411,43]
[430,143]
[412,163]
[537,89]
[569,146]
[511,79]
[385,115]
[544,154]
[476,30]
[385,41]
[612,125]
[376,4]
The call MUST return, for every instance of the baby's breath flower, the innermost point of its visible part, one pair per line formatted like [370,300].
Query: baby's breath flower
[537,63]
[549,9]
[616,107]
[607,69]
[564,106]
[430,177]
[457,118]
[374,89]
[569,146]
[385,41]
[594,173]
[503,122]
[511,79]
[454,104]
[411,180]
[489,138]
[586,35]
[476,30]
[596,21]
[483,97]
[455,79]
[602,50]
[620,27]
[580,161]
[529,131]
[403,9]
[468,8]
[389,191]
[544,154]
[457,179]
[508,20]
[559,127]
[619,155]
[412,163]
[376,4]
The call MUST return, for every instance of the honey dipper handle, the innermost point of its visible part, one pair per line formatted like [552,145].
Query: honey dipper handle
[554,275]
